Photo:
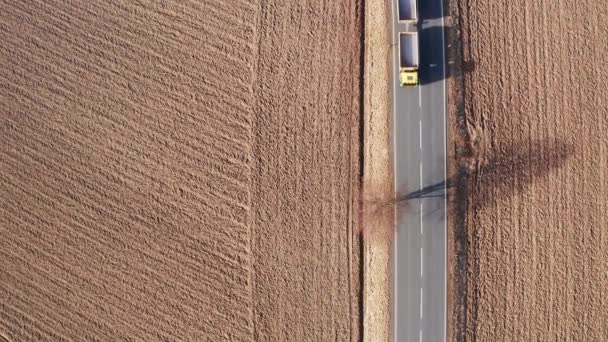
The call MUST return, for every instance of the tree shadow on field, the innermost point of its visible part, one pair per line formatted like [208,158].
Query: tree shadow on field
[510,169]
[484,176]
[483,180]
[498,174]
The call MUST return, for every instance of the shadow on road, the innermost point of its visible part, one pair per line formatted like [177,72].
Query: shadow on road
[428,10]
[504,171]
[482,180]
[431,55]
[432,68]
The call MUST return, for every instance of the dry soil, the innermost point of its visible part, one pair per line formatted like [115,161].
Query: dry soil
[530,154]
[377,214]
[179,170]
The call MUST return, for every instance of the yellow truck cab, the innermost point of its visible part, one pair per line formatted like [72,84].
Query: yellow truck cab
[408,78]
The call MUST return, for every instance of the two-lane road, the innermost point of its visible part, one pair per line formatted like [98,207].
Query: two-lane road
[420,171]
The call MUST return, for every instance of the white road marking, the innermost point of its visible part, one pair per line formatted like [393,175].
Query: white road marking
[421,296]
[395,91]
[421,263]
[421,179]
[395,85]
[420,218]
[445,177]
[420,134]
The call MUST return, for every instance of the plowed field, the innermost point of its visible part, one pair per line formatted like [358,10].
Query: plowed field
[179,170]
[531,142]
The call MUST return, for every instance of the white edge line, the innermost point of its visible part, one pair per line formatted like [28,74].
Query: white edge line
[445,200]
[395,252]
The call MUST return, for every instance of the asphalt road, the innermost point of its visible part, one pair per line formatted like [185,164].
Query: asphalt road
[420,173]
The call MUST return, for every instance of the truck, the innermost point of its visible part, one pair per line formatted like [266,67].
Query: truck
[408,59]
[408,11]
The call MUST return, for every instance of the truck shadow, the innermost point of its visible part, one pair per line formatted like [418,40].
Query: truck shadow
[432,67]
[428,10]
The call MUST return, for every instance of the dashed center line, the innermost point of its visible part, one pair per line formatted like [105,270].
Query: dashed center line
[420,135]
[421,290]
[421,263]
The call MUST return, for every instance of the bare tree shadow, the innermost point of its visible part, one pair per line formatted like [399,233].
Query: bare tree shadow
[507,170]
[482,180]
[511,169]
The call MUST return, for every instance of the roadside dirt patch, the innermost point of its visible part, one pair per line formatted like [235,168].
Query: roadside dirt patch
[179,170]
[529,186]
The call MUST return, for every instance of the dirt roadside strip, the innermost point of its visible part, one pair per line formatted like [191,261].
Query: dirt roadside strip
[378,178]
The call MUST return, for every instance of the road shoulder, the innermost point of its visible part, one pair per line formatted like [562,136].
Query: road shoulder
[377,221]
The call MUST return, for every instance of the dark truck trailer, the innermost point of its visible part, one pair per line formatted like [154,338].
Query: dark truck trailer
[408,10]
[408,58]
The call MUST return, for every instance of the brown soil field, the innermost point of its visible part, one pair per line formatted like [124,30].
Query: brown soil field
[529,103]
[180,170]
